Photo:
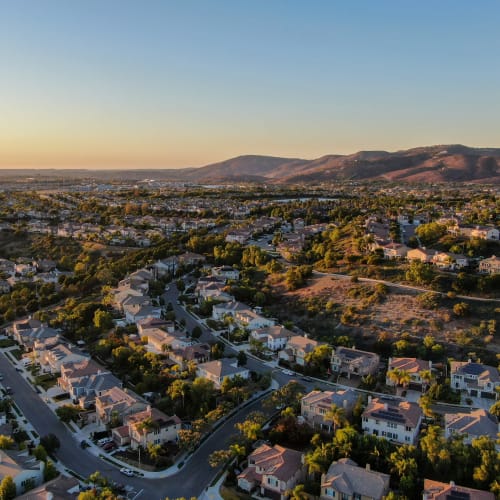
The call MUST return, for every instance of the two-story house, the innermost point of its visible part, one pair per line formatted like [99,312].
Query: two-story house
[274,470]
[221,369]
[227,272]
[52,356]
[345,480]
[24,469]
[436,490]
[84,380]
[150,426]
[314,407]
[274,337]
[350,361]
[476,379]
[297,348]
[420,254]
[490,265]
[115,404]
[471,425]
[397,421]
[413,366]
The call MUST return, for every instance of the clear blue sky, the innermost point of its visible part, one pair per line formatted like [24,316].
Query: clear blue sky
[110,83]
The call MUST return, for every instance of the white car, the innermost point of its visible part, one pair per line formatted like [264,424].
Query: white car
[127,472]
[287,372]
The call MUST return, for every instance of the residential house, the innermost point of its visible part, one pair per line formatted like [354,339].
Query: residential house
[476,379]
[138,280]
[25,470]
[394,420]
[220,311]
[395,250]
[297,348]
[51,357]
[165,266]
[219,370]
[449,261]
[226,272]
[347,481]
[436,490]
[213,290]
[85,380]
[316,405]
[143,325]
[251,320]
[274,470]
[197,353]
[482,232]
[121,294]
[420,254]
[136,312]
[28,331]
[238,236]
[273,337]
[351,361]
[159,341]
[490,265]
[60,488]
[150,426]
[191,259]
[413,366]
[471,425]
[116,403]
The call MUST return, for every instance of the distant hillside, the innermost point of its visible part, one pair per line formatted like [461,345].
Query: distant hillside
[447,163]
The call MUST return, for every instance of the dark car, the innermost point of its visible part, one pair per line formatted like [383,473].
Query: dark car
[109,446]
[84,444]
[8,390]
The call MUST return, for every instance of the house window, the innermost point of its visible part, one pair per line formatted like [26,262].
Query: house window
[408,429]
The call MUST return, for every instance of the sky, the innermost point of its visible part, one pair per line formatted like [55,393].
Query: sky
[167,84]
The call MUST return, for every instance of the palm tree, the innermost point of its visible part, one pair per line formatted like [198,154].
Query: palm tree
[297,493]
[427,377]
[336,416]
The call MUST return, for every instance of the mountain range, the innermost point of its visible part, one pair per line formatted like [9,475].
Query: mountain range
[429,164]
[446,163]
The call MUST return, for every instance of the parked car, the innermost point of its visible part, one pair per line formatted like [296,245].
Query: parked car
[8,390]
[104,441]
[127,472]
[287,372]
[84,444]
[109,446]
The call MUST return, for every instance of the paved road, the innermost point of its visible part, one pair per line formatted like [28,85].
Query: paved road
[189,481]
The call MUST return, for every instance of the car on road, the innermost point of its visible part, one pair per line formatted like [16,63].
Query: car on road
[8,390]
[126,472]
[1,376]
[288,372]
[84,444]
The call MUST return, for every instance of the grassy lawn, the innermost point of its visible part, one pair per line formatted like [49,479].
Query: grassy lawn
[7,343]
[46,381]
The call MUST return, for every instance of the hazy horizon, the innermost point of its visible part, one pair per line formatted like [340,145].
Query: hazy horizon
[168,85]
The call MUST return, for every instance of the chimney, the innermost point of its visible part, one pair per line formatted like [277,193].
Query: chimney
[386,406]
[368,468]
[369,399]
[452,484]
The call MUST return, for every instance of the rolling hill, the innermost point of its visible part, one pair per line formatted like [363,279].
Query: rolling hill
[446,163]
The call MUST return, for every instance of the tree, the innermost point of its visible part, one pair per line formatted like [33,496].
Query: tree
[196,333]
[6,442]
[49,471]
[7,488]
[189,439]
[461,309]
[103,320]
[68,412]
[297,493]
[242,358]
[178,389]
[336,416]
[39,453]
[50,442]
